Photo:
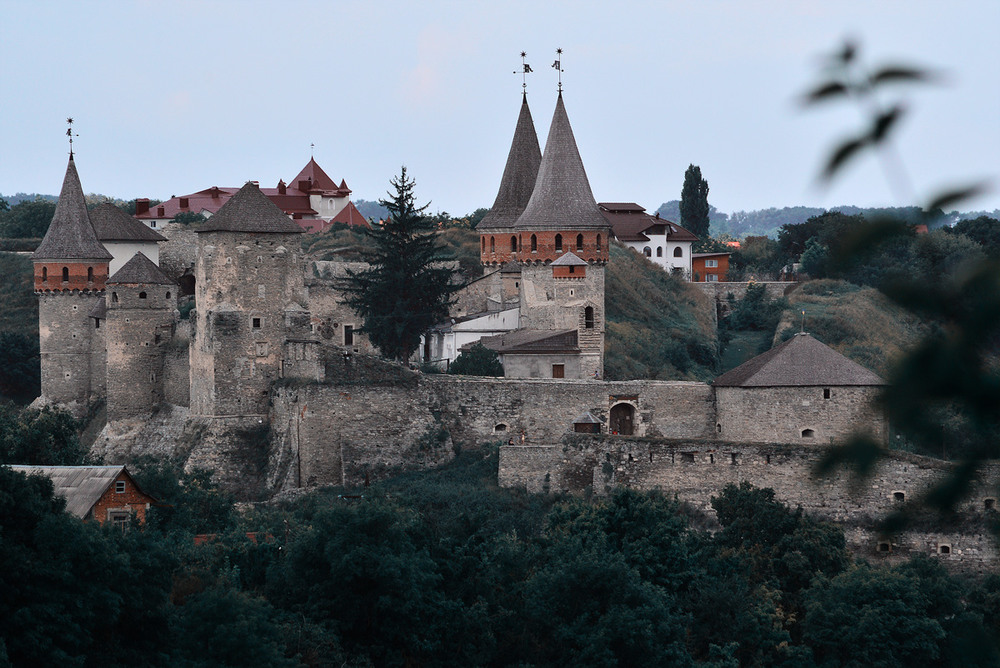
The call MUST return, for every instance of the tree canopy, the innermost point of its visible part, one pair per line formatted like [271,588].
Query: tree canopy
[694,207]
[405,289]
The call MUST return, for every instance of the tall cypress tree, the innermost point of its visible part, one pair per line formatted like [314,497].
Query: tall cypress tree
[694,202]
[405,290]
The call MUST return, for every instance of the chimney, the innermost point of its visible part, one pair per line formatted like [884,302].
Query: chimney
[304,185]
[281,188]
[184,202]
[141,206]
[160,212]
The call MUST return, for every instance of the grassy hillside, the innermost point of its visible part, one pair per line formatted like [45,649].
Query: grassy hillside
[658,326]
[861,323]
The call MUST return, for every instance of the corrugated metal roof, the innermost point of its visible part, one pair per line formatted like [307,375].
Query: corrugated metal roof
[81,486]
[801,361]
[519,175]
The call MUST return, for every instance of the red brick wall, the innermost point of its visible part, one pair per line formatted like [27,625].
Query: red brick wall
[569,272]
[53,272]
[132,499]
[495,248]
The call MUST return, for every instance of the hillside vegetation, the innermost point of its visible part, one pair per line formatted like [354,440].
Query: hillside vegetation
[658,326]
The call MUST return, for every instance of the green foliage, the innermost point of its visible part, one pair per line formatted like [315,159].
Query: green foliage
[20,373]
[694,208]
[27,219]
[984,230]
[756,311]
[43,436]
[477,361]
[462,243]
[658,325]
[405,290]
[189,501]
[757,258]
[189,218]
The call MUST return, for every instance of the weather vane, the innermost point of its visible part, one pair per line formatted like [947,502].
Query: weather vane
[558,67]
[525,68]
[69,133]
[311,148]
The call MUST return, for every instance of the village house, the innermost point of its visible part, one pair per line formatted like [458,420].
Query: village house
[709,267]
[666,244]
[96,493]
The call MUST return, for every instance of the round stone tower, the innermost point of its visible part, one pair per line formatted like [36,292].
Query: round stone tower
[141,315]
[70,271]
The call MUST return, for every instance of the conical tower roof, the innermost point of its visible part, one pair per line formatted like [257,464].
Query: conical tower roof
[249,210]
[140,269]
[519,175]
[801,361]
[70,235]
[562,199]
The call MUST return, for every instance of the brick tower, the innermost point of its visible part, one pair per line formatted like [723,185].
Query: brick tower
[562,247]
[71,268]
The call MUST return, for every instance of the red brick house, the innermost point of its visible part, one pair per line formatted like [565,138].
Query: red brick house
[100,493]
[709,267]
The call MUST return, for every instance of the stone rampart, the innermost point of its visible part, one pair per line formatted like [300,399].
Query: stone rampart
[720,291]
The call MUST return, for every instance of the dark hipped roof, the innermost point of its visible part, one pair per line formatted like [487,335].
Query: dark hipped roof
[519,175]
[533,341]
[140,269]
[801,361]
[70,235]
[112,224]
[81,486]
[250,210]
[562,199]
[630,222]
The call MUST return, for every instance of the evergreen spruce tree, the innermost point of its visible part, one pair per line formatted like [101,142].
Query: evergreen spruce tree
[405,289]
[694,203]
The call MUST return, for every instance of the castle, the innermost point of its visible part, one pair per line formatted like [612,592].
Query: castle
[262,383]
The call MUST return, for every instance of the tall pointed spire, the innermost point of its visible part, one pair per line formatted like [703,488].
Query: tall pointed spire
[562,199]
[70,235]
[519,175]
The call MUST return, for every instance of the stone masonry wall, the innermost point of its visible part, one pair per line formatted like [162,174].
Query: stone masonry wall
[696,471]
[65,347]
[818,415]
[721,291]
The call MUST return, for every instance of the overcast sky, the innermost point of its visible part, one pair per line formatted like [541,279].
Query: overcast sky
[173,97]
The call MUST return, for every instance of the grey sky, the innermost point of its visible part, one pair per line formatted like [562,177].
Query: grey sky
[173,97]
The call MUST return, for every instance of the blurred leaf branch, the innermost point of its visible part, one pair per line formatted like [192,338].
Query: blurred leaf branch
[954,369]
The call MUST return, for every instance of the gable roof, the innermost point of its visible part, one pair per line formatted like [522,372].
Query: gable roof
[140,269]
[630,222]
[249,210]
[112,224]
[562,199]
[801,361]
[519,175]
[533,341]
[81,486]
[70,235]
[350,215]
[569,259]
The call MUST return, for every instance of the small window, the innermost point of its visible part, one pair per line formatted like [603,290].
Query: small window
[90,274]
[255,322]
[120,487]
[168,294]
[944,548]
[767,459]
[142,295]
[598,243]
[493,245]
[808,433]
[500,427]
[647,251]
[558,242]
[97,323]
[588,317]
[659,251]
[885,546]
[899,497]
[678,252]
[114,297]
[513,244]
[579,242]
[484,244]
[687,457]
[534,243]
[826,392]
[711,263]
[65,274]
[734,458]
[558,370]
[348,335]
[118,519]
[990,504]
[45,275]
[711,278]
[572,269]
[718,428]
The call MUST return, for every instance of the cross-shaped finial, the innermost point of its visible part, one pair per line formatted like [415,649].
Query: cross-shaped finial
[525,69]
[69,133]
[558,67]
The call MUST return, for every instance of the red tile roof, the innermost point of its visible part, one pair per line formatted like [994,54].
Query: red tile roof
[350,215]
